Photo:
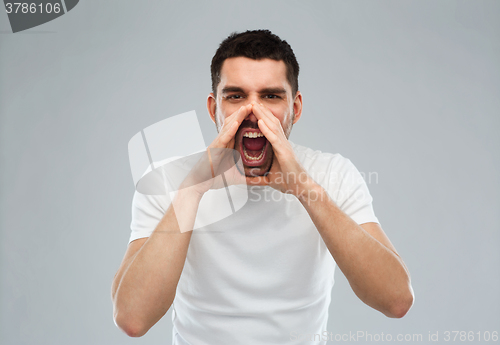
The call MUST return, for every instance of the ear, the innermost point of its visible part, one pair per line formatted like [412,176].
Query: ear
[297,106]
[211,102]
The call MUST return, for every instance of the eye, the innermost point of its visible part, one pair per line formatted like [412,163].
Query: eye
[234,97]
[271,96]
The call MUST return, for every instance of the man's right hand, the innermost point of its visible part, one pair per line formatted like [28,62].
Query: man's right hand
[219,158]
[225,139]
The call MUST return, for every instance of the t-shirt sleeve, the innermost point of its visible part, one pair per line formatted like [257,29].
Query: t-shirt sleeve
[352,195]
[147,211]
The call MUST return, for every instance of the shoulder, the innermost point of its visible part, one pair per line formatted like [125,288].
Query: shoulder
[331,170]
[319,160]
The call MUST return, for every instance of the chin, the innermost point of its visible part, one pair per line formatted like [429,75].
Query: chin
[256,171]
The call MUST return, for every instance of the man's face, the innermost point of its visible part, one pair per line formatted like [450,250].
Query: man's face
[244,80]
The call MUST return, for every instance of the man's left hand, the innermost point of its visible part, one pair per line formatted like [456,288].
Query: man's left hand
[286,174]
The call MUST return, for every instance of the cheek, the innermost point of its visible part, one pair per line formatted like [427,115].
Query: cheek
[283,115]
[219,118]
[221,112]
[224,110]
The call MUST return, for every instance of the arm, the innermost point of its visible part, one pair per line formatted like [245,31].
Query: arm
[376,273]
[144,286]
[365,255]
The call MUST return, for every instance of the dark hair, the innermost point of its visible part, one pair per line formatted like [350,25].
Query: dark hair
[256,44]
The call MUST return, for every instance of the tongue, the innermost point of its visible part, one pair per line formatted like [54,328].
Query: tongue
[254,144]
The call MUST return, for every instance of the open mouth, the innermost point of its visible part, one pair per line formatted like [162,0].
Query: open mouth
[253,147]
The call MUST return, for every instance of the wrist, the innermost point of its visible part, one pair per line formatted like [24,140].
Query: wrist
[311,193]
[189,194]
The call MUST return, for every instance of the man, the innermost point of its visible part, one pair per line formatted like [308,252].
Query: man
[266,276]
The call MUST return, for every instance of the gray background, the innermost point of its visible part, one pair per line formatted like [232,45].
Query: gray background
[406,89]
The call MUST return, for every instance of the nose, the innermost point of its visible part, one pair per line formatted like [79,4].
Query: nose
[251,117]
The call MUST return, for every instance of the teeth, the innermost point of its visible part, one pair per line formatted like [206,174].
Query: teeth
[253,134]
[253,158]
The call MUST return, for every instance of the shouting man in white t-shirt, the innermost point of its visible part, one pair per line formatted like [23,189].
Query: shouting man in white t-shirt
[264,274]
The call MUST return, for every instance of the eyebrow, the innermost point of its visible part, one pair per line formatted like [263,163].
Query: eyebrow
[277,90]
[228,89]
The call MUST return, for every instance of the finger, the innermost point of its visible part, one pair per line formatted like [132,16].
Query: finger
[274,132]
[263,112]
[227,135]
[268,133]
[259,112]
[239,115]
[231,125]
[281,145]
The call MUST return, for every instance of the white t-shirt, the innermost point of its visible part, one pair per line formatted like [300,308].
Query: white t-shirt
[263,275]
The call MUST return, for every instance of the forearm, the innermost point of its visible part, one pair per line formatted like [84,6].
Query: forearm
[145,290]
[376,274]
